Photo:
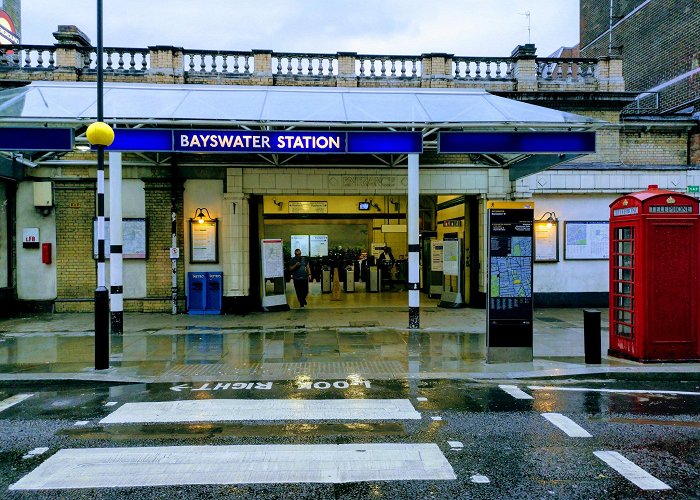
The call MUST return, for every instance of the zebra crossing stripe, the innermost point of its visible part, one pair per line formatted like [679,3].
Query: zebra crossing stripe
[221,410]
[631,471]
[515,391]
[237,464]
[571,428]
[13,400]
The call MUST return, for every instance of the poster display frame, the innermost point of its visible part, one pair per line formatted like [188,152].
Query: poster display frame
[207,254]
[591,250]
[551,239]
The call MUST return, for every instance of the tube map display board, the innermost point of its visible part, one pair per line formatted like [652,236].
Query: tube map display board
[273,259]
[586,240]
[510,256]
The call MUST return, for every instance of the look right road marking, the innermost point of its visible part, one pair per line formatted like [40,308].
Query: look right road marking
[13,400]
[630,471]
[571,428]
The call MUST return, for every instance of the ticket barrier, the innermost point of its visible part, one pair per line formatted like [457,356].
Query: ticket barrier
[349,281]
[326,283]
[375,279]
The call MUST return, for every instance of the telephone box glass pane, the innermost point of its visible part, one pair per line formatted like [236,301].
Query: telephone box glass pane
[624,288]
[625,316]
[624,330]
[624,302]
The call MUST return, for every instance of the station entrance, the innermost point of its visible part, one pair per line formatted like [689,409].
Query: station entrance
[364,240]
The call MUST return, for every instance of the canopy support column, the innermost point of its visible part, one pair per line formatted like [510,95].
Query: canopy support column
[413,245]
[115,243]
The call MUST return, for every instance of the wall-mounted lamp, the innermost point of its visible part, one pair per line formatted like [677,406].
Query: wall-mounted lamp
[550,220]
[278,204]
[199,214]
[395,203]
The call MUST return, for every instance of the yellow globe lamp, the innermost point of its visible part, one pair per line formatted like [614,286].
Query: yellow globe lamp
[100,134]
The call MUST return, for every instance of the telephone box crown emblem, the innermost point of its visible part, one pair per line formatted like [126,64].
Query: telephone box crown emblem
[670,200]
[625,202]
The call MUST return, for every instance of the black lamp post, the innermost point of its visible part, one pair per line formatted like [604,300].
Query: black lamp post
[100,135]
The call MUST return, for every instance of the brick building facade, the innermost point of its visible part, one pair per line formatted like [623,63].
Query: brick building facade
[632,152]
[659,41]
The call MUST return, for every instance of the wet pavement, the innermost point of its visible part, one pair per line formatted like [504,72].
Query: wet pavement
[337,401]
[328,341]
[498,446]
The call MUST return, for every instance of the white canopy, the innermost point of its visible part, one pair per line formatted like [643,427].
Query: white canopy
[159,104]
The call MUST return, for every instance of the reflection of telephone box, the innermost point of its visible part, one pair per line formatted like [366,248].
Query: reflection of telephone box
[654,268]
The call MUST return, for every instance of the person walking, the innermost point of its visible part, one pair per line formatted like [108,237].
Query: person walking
[299,267]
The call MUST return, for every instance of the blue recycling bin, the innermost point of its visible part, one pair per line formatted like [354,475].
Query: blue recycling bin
[204,292]
[215,284]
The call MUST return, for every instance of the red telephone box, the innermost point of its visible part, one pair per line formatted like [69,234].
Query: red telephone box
[654,266]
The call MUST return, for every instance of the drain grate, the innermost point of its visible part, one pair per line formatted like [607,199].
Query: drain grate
[284,371]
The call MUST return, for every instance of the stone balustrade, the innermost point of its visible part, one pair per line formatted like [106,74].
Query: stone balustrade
[116,59]
[522,71]
[483,68]
[385,66]
[285,64]
[34,57]
[213,62]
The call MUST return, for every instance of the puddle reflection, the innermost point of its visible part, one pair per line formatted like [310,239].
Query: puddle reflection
[412,351]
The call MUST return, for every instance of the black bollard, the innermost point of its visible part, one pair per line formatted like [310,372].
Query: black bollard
[591,336]
[101,328]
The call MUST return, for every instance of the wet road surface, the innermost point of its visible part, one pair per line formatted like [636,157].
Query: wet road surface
[516,439]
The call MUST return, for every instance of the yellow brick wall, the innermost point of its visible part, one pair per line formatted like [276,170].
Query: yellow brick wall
[76,279]
[76,268]
[655,148]
[158,264]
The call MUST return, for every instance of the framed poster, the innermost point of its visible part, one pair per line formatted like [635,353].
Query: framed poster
[546,241]
[586,240]
[450,257]
[204,241]
[319,245]
[300,241]
[436,255]
[134,238]
[272,258]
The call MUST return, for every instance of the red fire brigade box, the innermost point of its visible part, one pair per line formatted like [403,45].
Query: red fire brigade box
[654,264]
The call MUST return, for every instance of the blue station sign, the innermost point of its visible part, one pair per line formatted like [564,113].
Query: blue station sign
[246,141]
[517,142]
[36,139]
[217,141]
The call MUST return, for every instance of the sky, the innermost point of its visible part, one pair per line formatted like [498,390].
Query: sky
[387,27]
